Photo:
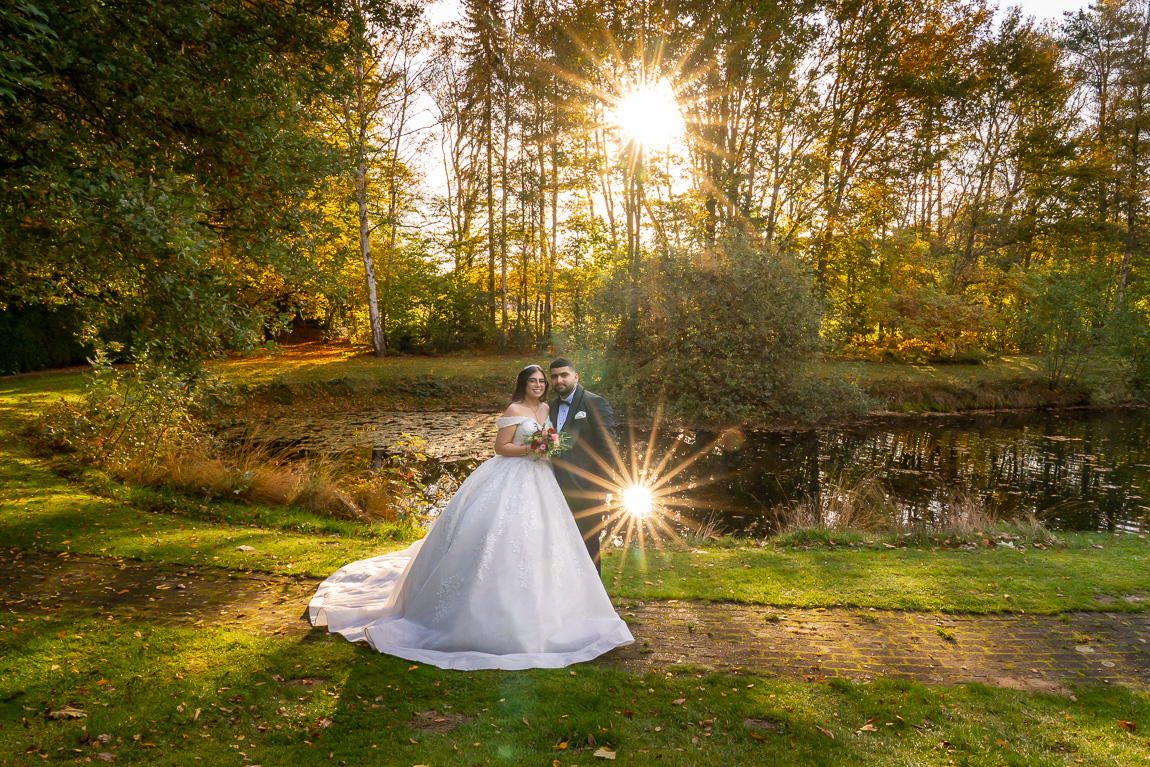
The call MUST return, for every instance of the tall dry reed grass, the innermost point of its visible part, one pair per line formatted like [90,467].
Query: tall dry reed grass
[866,505]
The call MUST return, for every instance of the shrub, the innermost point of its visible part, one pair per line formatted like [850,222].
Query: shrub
[717,334]
[150,425]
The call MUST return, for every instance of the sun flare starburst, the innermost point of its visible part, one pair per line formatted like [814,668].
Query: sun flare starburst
[640,500]
[649,115]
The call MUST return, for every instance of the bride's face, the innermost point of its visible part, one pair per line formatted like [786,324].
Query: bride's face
[536,385]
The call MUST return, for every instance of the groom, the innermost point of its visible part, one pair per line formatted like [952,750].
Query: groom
[589,420]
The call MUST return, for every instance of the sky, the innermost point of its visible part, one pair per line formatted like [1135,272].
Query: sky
[448,10]
[1048,9]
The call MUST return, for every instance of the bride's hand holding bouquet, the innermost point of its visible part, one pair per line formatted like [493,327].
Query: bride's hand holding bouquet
[547,442]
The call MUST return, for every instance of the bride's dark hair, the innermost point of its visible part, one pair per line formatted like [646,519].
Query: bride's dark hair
[520,392]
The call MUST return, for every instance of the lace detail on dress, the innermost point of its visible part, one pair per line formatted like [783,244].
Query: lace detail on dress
[446,594]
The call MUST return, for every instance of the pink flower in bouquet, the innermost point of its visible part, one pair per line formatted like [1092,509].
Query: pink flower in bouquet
[546,442]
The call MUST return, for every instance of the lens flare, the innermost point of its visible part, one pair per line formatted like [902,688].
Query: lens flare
[638,501]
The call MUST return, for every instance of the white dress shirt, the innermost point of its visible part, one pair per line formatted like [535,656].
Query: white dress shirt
[564,408]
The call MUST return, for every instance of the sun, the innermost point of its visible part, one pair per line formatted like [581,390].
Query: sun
[649,115]
[638,501]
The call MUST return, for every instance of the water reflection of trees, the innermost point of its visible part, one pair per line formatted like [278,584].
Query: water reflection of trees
[1080,470]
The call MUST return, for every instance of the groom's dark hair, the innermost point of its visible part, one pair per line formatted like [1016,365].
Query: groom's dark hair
[563,362]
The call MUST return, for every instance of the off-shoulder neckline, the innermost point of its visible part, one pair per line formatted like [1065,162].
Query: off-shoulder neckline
[521,419]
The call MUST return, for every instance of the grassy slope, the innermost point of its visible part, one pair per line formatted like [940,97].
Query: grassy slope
[316,372]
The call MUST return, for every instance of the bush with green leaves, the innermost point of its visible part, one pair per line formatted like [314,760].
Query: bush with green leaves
[717,335]
[1065,318]
[133,417]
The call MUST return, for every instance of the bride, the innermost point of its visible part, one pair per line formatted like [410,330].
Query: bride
[501,580]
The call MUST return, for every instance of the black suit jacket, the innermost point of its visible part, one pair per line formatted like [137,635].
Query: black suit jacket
[593,435]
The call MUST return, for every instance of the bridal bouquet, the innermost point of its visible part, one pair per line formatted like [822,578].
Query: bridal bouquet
[546,443]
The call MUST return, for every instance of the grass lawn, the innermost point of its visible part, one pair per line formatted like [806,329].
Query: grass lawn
[1092,572]
[168,696]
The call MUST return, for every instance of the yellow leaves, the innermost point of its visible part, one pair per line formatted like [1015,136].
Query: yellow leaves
[412,668]
[869,726]
[603,753]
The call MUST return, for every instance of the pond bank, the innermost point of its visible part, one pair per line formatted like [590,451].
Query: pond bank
[307,372]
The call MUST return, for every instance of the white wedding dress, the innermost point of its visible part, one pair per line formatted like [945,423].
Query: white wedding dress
[501,580]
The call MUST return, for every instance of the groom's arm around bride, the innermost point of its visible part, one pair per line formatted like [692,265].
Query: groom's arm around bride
[590,422]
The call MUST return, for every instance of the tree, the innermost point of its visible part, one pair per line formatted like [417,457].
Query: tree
[483,48]
[152,159]
[373,117]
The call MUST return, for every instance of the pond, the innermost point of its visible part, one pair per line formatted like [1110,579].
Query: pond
[1073,469]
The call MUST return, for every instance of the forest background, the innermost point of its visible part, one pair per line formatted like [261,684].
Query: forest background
[923,180]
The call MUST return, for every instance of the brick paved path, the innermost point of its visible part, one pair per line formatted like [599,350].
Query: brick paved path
[1024,651]
[1036,652]
[173,596]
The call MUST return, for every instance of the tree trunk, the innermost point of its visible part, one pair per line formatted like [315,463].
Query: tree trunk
[379,346]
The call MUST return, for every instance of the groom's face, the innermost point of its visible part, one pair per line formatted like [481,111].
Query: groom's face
[564,380]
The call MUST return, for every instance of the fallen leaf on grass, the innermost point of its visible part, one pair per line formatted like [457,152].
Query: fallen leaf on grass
[245,548]
[678,702]
[603,753]
[105,756]
[825,732]
[68,712]
[1128,726]
[868,727]
[196,716]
